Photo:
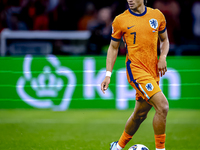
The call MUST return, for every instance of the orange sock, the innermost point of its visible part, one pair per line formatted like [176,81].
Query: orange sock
[124,139]
[160,141]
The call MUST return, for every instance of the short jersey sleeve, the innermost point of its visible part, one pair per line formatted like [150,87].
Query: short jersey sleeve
[162,26]
[116,30]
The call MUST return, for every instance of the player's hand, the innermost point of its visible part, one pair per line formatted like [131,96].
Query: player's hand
[162,65]
[105,83]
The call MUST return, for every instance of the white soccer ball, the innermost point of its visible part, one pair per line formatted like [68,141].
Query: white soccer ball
[138,147]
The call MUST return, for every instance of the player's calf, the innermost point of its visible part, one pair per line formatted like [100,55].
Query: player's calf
[134,122]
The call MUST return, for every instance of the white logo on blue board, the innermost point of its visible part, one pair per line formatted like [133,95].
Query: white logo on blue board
[153,23]
[149,87]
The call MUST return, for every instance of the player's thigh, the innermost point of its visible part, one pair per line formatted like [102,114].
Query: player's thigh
[159,102]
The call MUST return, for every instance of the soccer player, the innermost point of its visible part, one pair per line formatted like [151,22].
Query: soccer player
[141,27]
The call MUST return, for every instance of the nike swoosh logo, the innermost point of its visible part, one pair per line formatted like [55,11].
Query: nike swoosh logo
[130,27]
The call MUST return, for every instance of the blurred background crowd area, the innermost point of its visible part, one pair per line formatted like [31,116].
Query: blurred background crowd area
[183,20]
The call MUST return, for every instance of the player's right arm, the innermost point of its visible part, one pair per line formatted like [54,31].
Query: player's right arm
[110,61]
[112,52]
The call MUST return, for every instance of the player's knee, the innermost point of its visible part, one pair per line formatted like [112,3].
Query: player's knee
[161,105]
[140,117]
[163,110]
[166,109]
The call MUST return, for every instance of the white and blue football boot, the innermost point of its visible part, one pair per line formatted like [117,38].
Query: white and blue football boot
[113,146]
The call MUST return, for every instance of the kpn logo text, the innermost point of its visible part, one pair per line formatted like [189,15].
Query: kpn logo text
[57,82]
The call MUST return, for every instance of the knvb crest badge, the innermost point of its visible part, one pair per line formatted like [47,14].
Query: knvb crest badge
[154,24]
[149,87]
[49,85]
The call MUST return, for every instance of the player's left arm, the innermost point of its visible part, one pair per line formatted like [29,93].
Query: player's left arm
[164,49]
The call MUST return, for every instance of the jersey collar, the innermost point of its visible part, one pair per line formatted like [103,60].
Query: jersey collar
[139,15]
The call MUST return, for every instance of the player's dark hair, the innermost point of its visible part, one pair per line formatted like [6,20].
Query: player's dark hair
[145,2]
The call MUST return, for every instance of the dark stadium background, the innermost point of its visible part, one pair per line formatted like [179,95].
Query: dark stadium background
[59,15]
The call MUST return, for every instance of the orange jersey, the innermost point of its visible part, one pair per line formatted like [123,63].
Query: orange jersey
[140,34]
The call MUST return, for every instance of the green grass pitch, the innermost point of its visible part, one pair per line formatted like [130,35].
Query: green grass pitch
[91,129]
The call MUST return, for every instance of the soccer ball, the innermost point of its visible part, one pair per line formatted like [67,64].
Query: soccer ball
[138,147]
